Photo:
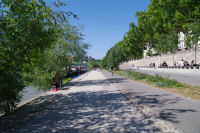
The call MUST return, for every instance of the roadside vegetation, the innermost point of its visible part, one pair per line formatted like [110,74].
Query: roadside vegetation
[157,28]
[67,80]
[37,42]
[93,64]
[163,83]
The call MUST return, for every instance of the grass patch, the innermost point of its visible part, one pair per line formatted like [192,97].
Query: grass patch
[163,83]
[157,80]
[67,80]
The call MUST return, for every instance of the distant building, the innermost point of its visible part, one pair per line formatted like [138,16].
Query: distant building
[149,50]
[182,44]
[181,40]
[90,58]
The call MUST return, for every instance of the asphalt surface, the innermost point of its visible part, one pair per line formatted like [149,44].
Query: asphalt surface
[91,104]
[100,102]
[182,112]
[188,78]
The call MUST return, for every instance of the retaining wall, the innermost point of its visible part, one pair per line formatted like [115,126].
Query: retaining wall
[187,55]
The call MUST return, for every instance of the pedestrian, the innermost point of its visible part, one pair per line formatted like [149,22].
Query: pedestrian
[181,63]
[186,63]
[174,64]
[154,65]
[164,64]
[192,63]
[111,69]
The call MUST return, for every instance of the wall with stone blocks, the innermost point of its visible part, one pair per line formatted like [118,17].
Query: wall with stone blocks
[187,55]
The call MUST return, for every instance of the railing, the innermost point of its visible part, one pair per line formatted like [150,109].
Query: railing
[181,67]
[146,67]
[172,67]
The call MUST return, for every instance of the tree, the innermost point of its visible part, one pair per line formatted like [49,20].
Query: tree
[93,64]
[168,43]
[133,43]
[158,28]
[58,58]
[113,57]
[193,34]
[26,31]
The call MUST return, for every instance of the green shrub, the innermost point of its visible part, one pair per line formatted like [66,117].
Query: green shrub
[138,76]
[157,80]
[174,83]
[149,53]
[68,80]
[154,79]
[125,74]
[161,84]
[11,86]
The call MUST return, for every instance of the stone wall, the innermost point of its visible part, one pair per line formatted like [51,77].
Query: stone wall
[187,55]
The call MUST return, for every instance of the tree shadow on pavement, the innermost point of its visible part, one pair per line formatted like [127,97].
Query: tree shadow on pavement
[25,113]
[103,82]
[84,112]
[159,102]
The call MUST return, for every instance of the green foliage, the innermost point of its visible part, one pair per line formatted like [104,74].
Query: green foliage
[56,59]
[67,80]
[113,57]
[11,85]
[26,31]
[138,76]
[158,28]
[93,64]
[157,80]
[149,53]
[192,36]
[103,63]
[168,43]
[36,42]
[125,74]
[133,45]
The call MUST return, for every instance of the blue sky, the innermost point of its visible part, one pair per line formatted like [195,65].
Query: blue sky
[105,21]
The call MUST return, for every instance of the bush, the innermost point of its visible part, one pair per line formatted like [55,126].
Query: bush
[138,76]
[157,80]
[11,86]
[149,53]
[161,84]
[154,79]
[68,80]
[125,74]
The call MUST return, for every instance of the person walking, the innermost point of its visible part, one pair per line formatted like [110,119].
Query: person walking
[111,69]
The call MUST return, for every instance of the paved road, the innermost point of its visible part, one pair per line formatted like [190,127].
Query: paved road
[99,102]
[92,104]
[189,78]
[182,112]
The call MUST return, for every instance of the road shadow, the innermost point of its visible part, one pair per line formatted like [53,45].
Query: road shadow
[23,114]
[81,112]
[103,82]
[159,102]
